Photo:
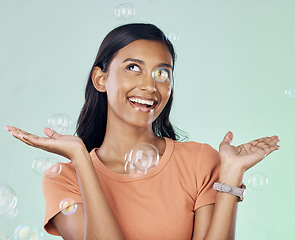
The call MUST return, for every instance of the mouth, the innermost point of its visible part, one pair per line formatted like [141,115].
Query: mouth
[143,104]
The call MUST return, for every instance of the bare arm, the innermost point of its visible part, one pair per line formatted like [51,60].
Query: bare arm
[99,221]
[218,221]
[204,217]
[93,219]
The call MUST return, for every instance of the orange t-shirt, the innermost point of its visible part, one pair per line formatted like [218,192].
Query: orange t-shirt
[157,205]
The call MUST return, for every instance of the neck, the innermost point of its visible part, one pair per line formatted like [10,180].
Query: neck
[120,137]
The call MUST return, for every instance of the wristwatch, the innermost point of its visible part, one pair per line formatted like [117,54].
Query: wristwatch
[239,192]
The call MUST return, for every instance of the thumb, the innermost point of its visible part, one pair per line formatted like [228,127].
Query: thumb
[228,137]
[50,133]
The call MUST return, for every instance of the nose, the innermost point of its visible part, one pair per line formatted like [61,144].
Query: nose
[147,84]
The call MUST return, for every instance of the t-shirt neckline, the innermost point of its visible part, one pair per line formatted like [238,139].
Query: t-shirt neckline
[134,176]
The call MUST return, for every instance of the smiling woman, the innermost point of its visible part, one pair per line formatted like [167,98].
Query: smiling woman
[132,65]
[128,100]
[130,86]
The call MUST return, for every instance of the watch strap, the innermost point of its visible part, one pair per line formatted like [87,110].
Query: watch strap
[222,187]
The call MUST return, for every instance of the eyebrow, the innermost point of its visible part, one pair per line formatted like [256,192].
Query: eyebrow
[142,62]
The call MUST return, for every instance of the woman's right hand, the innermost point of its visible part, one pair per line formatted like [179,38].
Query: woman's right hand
[65,145]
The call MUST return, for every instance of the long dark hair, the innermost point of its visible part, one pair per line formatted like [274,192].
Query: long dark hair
[91,125]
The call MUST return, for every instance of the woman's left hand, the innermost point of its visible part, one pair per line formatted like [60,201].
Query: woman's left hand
[246,155]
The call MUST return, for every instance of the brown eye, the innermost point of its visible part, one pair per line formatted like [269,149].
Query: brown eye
[160,74]
[133,67]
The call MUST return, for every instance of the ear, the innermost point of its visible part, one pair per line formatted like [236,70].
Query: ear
[98,79]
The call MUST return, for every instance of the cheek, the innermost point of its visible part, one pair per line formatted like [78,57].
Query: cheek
[117,89]
[165,91]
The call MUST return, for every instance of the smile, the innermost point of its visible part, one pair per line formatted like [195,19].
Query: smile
[142,104]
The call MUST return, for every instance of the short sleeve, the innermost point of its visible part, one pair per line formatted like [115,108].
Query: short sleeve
[64,185]
[208,164]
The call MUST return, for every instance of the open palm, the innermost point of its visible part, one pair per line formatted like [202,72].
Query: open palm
[65,145]
[246,155]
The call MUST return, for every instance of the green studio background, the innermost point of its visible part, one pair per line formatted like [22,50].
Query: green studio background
[235,62]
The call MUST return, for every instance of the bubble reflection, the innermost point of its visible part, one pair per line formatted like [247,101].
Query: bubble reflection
[49,167]
[8,201]
[125,11]
[59,122]
[28,232]
[258,181]
[141,158]
[68,206]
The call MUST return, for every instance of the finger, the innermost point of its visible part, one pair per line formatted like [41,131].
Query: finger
[228,137]
[267,144]
[269,147]
[35,141]
[17,131]
[10,129]
[269,141]
[274,139]
[51,133]
[27,138]
[18,135]
[264,148]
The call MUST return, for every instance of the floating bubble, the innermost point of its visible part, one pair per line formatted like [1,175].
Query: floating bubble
[124,11]
[130,168]
[173,36]
[8,201]
[59,122]
[28,232]
[290,93]
[11,212]
[54,170]
[68,206]
[4,236]
[258,181]
[47,166]
[142,157]
[160,74]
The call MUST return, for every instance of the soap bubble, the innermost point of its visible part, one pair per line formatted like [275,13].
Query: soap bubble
[11,212]
[173,36]
[130,168]
[4,236]
[142,157]
[258,181]
[28,232]
[124,11]
[68,206]
[8,201]
[160,74]
[46,166]
[54,170]
[59,122]
[290,93]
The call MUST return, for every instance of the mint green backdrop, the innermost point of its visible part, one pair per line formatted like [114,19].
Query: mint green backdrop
[235,59]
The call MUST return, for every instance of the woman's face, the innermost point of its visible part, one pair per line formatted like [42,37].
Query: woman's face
[134,96]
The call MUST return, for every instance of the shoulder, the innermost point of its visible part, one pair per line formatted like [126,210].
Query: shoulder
[58,188]
[200,156]
[65,178]
[194,148]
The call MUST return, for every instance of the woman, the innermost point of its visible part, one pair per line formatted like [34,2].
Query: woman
[128,100]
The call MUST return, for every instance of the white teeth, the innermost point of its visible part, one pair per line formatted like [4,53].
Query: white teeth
[141,101]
